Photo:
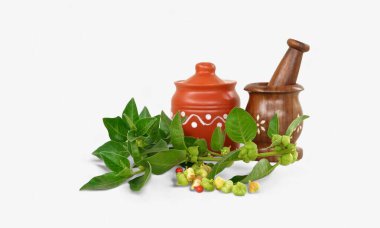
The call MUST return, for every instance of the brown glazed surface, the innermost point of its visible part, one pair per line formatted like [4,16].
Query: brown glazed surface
[205,100]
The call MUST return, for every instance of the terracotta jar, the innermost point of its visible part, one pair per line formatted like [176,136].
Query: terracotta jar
[205,100]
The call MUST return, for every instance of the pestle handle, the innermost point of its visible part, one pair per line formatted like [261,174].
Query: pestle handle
[298,45]
[287,70]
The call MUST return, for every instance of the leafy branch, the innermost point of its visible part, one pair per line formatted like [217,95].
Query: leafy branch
[141,145]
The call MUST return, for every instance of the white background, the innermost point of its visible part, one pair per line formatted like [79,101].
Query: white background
[66,64]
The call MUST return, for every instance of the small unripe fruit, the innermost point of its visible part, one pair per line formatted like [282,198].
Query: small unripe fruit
[239,189]
[243,153]
[201,172]
[276,140]
[219,182]
[190,174]
[227,186]
[207,168]
[181,179]
[252,155]
[253,186]
[285,140]
[295,156]
[286,159]
[208,185]
[225,150]
[250,145]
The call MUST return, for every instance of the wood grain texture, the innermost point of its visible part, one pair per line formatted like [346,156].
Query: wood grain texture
[279,96]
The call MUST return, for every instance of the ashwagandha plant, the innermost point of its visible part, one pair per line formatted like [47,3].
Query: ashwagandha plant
[141,145]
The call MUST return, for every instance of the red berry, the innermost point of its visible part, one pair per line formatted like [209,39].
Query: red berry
[199,188]
[179,170]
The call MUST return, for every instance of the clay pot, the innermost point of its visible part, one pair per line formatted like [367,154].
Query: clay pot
[205,100]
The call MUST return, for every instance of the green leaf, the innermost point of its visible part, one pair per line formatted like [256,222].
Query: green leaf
[129,122]
[154,131]
[202,147]
[295,124]
[217,139]
[137,183]
[158,147]
[112,146]
[262,169]
[134,151]
[144,113]
[114,154]
[145,125]
[240,126]
[165,123]
[115,162]
[189,141]
[130,111]
[117,129]
[108,180]
[165,160]
[132,135]
[176,132]
[222,164]
[274,126]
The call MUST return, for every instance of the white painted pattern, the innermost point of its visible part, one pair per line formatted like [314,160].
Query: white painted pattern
[217,118]
[260,124]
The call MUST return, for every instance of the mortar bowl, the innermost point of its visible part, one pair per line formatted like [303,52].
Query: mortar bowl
[265,101]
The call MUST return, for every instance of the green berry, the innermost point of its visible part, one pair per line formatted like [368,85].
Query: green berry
[295,156]
[219,182]
[239,189]
[189,174]
[140,143]
[285,140]
[225,150]
[286,159]
[193,153]
[250,145]
[181,179]
[206,167]
[201,172]
[252,152]
[227,186]
[207,184]
[243,153]
[276,140]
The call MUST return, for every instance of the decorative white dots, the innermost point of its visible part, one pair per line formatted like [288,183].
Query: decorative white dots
[194,124]
[225,116]
[183,114]
[219,124]
[208,117]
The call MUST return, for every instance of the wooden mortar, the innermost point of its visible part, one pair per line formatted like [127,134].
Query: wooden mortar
[279,96]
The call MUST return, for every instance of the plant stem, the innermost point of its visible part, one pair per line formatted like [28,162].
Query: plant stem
[209,159]
[268,154]
[141,170]
[215,154]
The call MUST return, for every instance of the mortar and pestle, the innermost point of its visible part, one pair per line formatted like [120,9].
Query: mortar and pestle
[279,96]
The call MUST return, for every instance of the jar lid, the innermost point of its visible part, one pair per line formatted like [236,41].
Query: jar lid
[204,76]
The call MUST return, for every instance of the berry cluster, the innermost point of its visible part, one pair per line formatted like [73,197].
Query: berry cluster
[197,177]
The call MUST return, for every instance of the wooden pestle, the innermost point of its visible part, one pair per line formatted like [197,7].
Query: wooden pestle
[287,70]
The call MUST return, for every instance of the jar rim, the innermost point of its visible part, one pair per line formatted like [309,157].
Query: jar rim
[262,87]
